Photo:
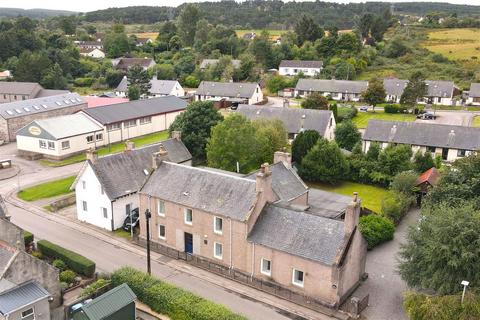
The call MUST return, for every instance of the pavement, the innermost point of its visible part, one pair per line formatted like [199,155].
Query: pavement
[456,117]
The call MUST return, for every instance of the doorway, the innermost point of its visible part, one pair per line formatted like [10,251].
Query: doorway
[188,237]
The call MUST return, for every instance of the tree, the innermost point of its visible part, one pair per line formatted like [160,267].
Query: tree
[167,31]
[303,143]
[261,47]
[324,163]
[308,30]
[394,159]
[270,136]
[54,79]
[376,229]
[416,88]
[187,23]
[423,161]
[165,71]
[139,78]
[195,124]
[276,83]
[404,182]
[133,92]
[116,42]
[31,67]
[68,24]
[395,48]
[375,93]
[443,249]
[315,101]
[347,135]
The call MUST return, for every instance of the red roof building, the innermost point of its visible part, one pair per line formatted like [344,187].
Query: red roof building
[102,101]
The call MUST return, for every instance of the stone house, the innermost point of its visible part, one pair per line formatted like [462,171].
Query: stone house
[238,92]
[309,68]
[345,90]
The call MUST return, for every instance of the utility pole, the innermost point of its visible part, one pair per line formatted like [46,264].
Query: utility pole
[148,215]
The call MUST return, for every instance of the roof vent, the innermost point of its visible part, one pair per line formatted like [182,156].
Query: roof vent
[304,116]
[393,131]
[258,112]
[44,106]
[186,193]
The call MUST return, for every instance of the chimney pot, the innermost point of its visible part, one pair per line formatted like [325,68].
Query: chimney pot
[92,155]
[129,145]
[282,156]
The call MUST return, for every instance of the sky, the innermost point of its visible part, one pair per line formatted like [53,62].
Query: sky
[90,5]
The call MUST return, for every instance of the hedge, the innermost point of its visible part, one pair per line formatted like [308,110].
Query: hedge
[376,229]
[167,299]
[392,108]
[27,238]
[74,261]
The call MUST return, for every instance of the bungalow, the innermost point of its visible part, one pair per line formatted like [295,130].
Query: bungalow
[90,44]
[337,89]
[211,62]
[438,92]
[294,67]
[245,92]
[126,63]
[474,94]
[142,41]
[92,52]
[449,142]
[159,88]
[294,120]
[106,188]
[11,91]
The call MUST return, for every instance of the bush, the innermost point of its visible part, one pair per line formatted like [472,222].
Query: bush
[83,82]
[170,300]
[67,276]
[393,108]
[376,229]
[37,254]
[396,205]
[404,182]
[92,288]
[346,113]
[27,238]
[63,285]
[76,262]
[59,264]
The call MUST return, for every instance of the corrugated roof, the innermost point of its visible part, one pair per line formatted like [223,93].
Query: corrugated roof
[20,296]
[293,119]
[136,109]
[301,64]
[337,86]
[227,89]
[474,90]
[109,302]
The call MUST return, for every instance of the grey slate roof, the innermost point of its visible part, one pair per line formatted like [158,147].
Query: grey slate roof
[123,173]
[161,87]
[435,88]
[286,184]
[20,88]
[423,134]
[136,109]
[206,190]
[474,90]
[21,296]
[298,233]
[126,63]
[207,62]
[293,119]
[327,204]
[301,64]
[394,87]
[227,89]
[6,254]
[109,303]
[336,86]
[38,105]
[3,208]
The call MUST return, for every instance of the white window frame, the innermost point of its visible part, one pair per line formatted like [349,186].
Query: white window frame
[159,212]
[114,126]
[215,244]
[130,123]
[29,316]
[262,264]
[104,212]
[51,145]
[185,216]
[84,206]
[90,138]
[215,230]
[295,281]
[67,142]
[97,135]
[42,144]
[164,237]
[145,120]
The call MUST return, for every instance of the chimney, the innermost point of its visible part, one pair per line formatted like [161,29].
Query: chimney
[158,157]
[282,156]
[92,155]
[352,214]
[177,135]
[264,179]
[129,145]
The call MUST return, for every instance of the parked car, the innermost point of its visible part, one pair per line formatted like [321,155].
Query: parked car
[132,221]
[364,109]
[426,116]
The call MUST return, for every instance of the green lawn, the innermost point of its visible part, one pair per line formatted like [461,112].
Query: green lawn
[47,190]
[371,196]
[361,120]
[122,234]
[476,121]
[114,148]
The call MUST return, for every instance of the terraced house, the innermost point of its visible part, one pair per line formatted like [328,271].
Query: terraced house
[438,92]
[239,92]
[261,224]
[337,89]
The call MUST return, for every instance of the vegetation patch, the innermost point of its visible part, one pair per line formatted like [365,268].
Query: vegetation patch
[455,44]
[47,190]
[476,121]
[362,118]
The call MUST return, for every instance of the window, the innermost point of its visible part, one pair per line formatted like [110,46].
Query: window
[145,120]
[104,212]
[130,123]
[84,206]
[188,216]
[66,144]
[266,267]
[161,208]
[217,250]
[431,149]
[99,136]
[42,144]
[161,231]
[51,145]
[90,139]
[113,126]
[84,185]
[28,314]
[461,153]
[217,225]
[297,278]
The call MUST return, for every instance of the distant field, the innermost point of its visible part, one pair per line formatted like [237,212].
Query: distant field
[273,33]
[151,35]
[455,44]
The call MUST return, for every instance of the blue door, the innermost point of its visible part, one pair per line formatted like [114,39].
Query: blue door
[188,243]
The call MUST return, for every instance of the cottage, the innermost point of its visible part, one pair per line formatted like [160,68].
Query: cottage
[15,115]
[449,142]
[159,88]
[28,300]
[337,89]
[474,94]
[11,91]
[143,41]
[245,92]
[126,63]
[294,120]
[211,62]
[394,89]
[294,67]
[106,188]
[92,52]
[438,92]
[90,44]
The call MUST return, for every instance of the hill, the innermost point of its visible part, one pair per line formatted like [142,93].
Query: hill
[33,13]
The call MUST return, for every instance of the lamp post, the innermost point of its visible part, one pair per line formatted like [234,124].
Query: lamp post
[465,285]
[148,215]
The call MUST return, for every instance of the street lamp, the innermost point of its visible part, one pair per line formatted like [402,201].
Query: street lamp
[148,215]
[465,285]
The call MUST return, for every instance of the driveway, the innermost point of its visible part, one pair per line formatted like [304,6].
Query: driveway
[278,102]
[384,285]
[457,118]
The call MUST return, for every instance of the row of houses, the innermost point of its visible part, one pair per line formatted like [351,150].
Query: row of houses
[158,88]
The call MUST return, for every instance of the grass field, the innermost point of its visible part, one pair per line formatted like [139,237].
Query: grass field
[274,34]
[47,190]
[361,120]
[476,121]
[114,148]
[151,35]
[455,44]
[371,196]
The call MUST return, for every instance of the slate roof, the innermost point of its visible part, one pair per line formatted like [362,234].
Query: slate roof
[435,88]
[38,105]
[109,303]
[21,296]
[3,208]
[163,87]
[63,127]
[207,62]
[301,64]
[127,63]
[394,87]
[424,134]
[474,90]
[227,89]
[327,204]
[6,254]
[337,86]
[20,88]
[286,184]
[136,109]
[298,233]
[202,189]
[293,119]
[123,173]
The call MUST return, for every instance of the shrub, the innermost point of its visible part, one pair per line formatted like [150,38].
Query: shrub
[63,285]
[67,276]
[376,229]
[92,288]
[37,254]
[27,238]
[59,264]
[395,205]
[393,108]
[346,113]
[76,262]
[83,82]
[404,182]
[170,300]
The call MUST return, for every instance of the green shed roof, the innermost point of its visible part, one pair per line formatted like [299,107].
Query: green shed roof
[109,302]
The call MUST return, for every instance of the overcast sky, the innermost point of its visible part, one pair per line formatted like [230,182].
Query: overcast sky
[89,5]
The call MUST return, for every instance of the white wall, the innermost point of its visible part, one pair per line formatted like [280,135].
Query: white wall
[330,131]
[335,95]
[120,210]
[294,71]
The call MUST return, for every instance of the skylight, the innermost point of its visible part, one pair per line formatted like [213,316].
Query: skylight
[58,103]
[10,112]
[66,101]
[18,110]
[44,106]
[36,107]
[27,109]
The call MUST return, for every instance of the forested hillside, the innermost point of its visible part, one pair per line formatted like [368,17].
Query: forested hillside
[32,13]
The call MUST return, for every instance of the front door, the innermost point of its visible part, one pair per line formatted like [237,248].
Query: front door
[188,243]
[444,153]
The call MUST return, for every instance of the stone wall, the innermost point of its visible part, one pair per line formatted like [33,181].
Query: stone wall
[11,234]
